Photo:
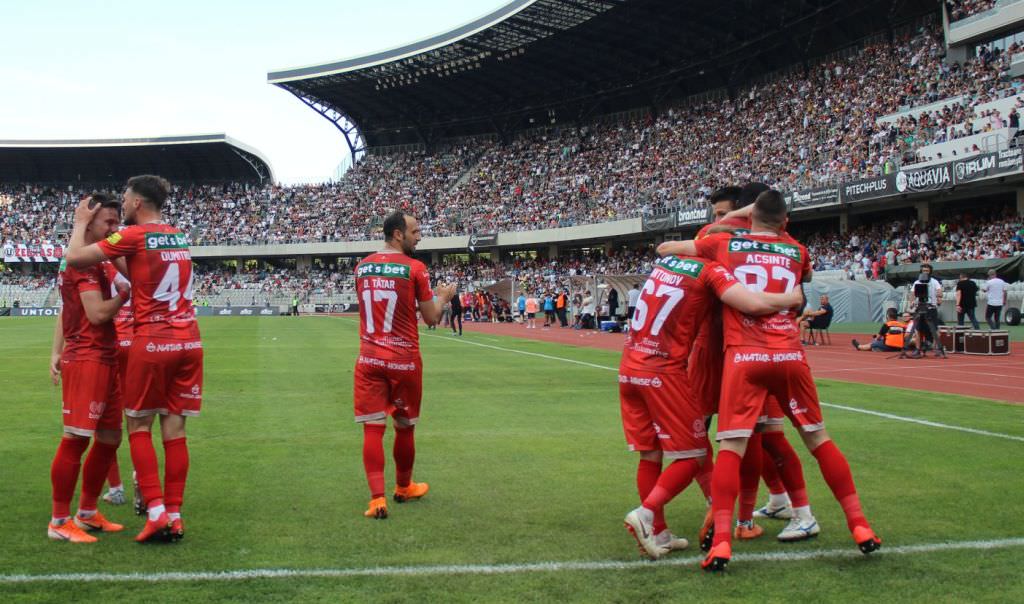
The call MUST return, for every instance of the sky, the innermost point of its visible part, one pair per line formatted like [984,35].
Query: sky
[120,69]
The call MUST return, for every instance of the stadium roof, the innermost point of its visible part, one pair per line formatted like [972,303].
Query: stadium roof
[532,62]
[193,158]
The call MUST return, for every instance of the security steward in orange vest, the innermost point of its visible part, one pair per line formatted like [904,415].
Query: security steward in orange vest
[890,336]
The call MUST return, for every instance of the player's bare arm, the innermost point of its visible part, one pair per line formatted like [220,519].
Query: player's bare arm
[760,303]
[679,248]
[80,254]
[57,351]
[744,213]
[432,309]
[100,311]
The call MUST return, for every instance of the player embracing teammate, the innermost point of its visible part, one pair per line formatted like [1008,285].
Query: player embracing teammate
[84,360]
[164,371]
[391,287]
[660,414]
[763,357]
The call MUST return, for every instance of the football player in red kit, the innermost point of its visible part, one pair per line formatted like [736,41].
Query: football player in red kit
[391,287]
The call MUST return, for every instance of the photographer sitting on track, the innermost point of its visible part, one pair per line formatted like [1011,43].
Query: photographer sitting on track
[890,336]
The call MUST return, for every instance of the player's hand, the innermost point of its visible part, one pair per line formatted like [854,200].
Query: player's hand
[445,292]
[55,368]
[124,288]
[85,211]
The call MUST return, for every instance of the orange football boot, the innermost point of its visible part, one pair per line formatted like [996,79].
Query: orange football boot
[707,532]
[745,531]
[378,508]
[415,490]
[718,558]
[155,530]
[866,539]
[98,522]
[69,531]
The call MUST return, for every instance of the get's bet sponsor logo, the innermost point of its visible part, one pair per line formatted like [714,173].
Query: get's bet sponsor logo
[675,264]
[739,244]
[386,269]
[165,241]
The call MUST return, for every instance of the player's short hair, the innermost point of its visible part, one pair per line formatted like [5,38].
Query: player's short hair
[154,189]
[730,193]
[770,209]
[394,221]
[105,200]
[749,193]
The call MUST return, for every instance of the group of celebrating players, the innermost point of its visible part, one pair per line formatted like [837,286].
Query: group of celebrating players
[714,332]
[114,358]
[688,357]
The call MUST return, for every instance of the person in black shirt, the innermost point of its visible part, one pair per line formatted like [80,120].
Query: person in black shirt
[815,319]
[456,316]
[966,301]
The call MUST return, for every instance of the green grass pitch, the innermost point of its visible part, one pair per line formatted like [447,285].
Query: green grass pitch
[527,464]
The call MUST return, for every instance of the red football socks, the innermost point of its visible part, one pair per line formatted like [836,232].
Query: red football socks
[790,470]
[770,474]
[676,477]
[647,473]
[147,470]
[836,472]
[175,473]
[704,474]
[64,473]
[750,478]
[405,455]
[725,485]
[94,473]
[373,458]
[114,474]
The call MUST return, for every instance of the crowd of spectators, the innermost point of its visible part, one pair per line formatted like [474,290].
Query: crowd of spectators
[871,248]
[794,130]
[961,9]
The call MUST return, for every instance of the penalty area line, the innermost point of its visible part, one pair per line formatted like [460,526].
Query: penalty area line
[498,569]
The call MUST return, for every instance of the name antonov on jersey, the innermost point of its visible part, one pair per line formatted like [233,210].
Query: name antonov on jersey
[765,357]
[749,245]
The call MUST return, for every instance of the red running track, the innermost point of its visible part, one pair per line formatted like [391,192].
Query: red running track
[996,377]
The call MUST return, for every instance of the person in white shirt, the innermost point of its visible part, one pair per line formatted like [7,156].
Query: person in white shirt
[995,289]
[633,297]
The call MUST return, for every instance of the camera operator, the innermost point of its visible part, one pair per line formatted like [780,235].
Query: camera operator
[928,296]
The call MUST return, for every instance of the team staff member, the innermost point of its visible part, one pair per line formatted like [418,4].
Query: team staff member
[966,301]
[456,313]
[392,286]
[995,290]
[890,336]
[164,375]
[84,359]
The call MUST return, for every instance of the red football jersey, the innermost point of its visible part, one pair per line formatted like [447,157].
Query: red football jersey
[741,224]
[160,270]
[82,339]
[674,302]
[762,262]
[124,320]
[390,287]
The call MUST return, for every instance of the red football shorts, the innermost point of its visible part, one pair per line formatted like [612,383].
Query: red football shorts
[90,397]
[386,387]
[751,375]
[772,414]
[659,413]
[705,376]
[123,349]
[163,376]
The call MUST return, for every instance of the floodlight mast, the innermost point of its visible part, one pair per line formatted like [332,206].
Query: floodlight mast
[341,120]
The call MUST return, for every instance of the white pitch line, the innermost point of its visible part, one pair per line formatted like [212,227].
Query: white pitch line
[496,569]
[925,422]
[912,420]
